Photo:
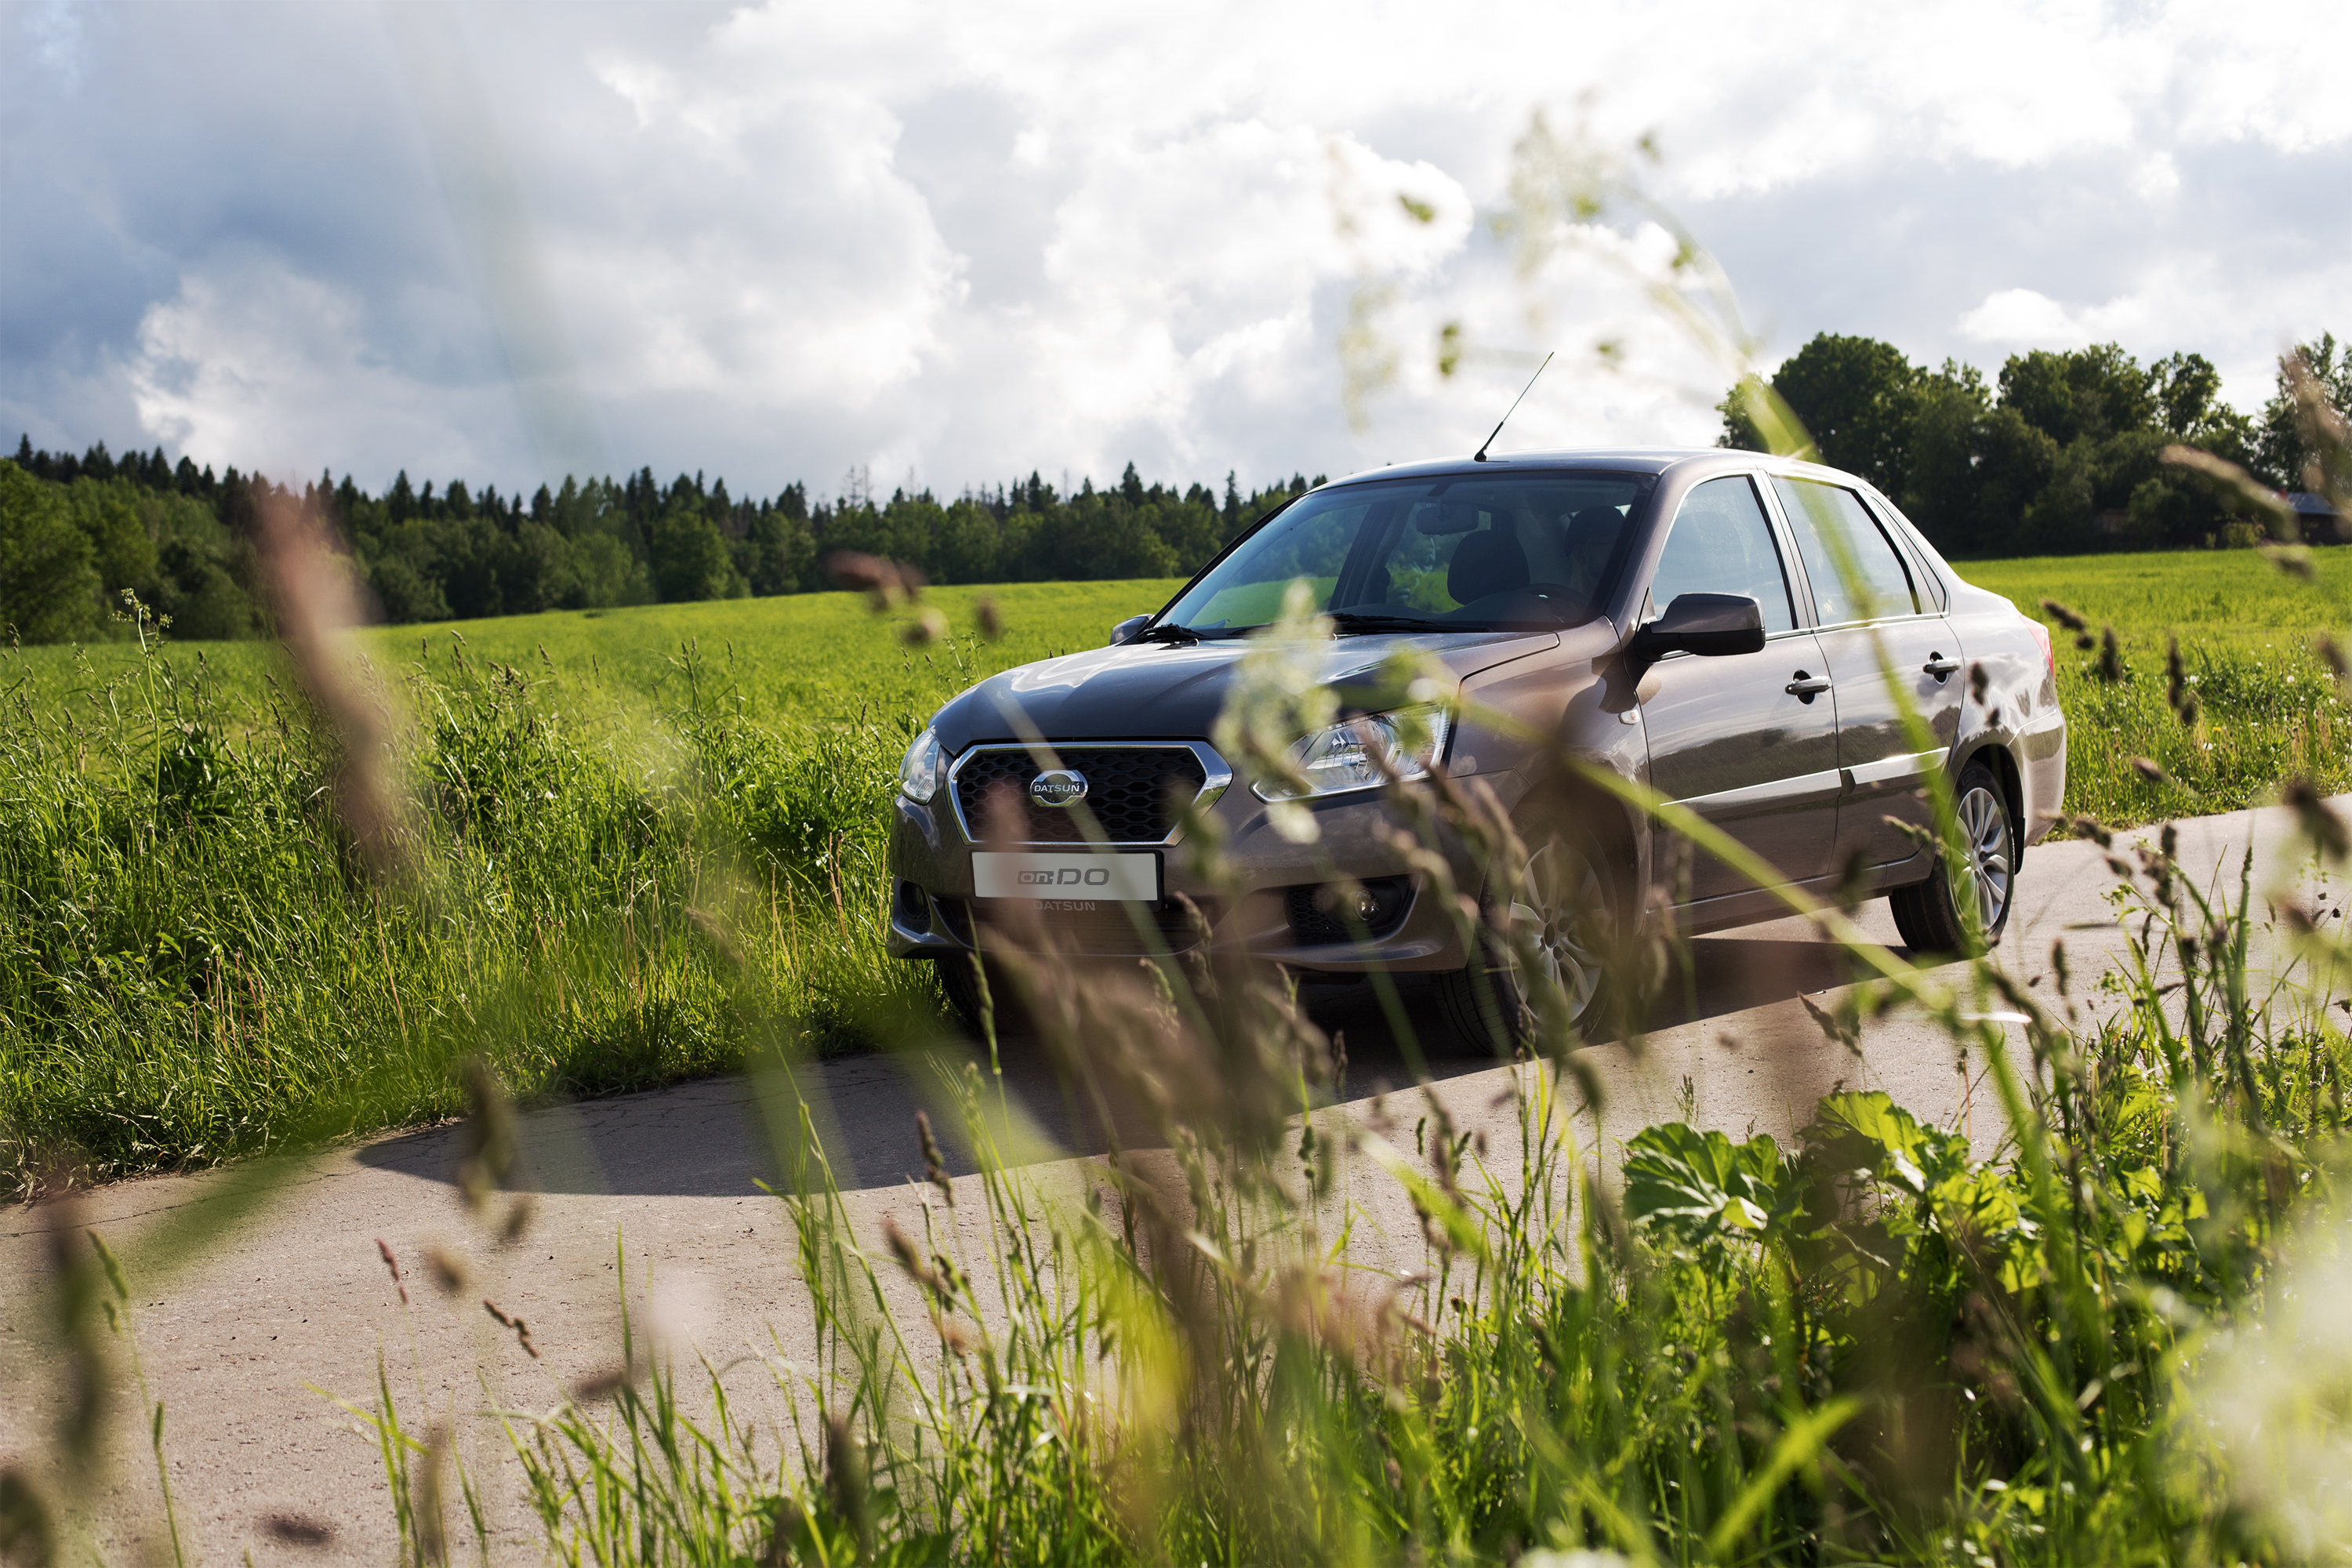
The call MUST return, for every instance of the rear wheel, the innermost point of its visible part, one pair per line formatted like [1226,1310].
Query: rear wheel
[1928,913]
[1563,912]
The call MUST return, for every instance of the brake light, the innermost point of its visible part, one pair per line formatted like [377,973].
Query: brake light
[2043,633]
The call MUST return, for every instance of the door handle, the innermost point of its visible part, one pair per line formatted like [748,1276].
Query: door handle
[1940,667]
[1805,688]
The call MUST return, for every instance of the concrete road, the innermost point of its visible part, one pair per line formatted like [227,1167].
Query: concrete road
[287,1296]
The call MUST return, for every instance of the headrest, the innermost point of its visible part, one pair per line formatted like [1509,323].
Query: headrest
[1487,562]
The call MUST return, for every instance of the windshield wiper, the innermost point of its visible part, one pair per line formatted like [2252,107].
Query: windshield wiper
[1356,621]
[1168,632]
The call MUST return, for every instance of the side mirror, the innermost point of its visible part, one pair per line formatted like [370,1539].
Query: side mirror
[1708,625]
[1127,628]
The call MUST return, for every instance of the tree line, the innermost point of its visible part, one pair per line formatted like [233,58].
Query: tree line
[2060,453]
[78,534]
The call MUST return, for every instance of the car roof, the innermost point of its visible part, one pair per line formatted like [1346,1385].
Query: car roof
[1612,459]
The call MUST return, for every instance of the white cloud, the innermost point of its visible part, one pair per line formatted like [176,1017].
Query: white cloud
[262,368]
[786,238]
[2010,316]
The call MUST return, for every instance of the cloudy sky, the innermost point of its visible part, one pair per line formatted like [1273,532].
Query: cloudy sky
[962,242]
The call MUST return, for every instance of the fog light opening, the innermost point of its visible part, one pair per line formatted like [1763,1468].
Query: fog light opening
[1323,913]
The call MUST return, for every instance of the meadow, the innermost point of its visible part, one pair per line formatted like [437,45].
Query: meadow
[193,968]
[621,832]
[651,851]
[2268,705]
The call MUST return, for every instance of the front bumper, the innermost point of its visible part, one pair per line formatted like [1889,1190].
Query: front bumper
[933,912]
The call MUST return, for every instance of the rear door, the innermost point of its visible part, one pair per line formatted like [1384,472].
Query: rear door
[1748,740]
[1882,632]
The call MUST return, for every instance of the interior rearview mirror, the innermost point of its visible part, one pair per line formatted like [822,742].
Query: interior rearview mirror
[1127,628]
[1707,625]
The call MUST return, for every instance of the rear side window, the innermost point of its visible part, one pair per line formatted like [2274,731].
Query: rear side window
[1720,544]
[1857,572]
[1932,593]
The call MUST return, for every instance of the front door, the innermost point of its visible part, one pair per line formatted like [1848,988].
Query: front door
[1748,740]
[1885,641]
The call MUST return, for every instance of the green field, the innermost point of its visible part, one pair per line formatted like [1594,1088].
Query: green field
[678,811]
[2269,708]
[801,660]
[621,836]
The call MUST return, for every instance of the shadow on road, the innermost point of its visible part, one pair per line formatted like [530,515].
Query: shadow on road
[711,1138]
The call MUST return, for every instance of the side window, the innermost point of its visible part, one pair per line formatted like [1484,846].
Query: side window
[1855,570]
[1721,543]
[1932,593]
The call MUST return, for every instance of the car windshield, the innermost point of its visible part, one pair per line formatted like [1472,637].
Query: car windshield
[1463,552]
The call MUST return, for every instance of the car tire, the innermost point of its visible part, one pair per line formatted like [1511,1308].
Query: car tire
[959,977]
[1927,913]
[1571,882]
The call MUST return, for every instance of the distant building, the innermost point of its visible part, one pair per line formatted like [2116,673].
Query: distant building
[2320,522]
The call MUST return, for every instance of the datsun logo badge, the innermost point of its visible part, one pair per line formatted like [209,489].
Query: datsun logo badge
[1058,786]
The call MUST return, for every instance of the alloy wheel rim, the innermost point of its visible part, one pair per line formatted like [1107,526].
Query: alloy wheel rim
[1985,824]
[1559,895]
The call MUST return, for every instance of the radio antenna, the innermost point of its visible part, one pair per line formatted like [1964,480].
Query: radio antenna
[1480,455]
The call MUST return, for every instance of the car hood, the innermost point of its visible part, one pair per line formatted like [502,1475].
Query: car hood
[1162,691]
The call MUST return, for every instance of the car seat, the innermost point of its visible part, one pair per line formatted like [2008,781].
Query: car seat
[1486,562]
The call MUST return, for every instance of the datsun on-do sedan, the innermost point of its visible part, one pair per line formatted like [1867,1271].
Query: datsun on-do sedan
[1729,630]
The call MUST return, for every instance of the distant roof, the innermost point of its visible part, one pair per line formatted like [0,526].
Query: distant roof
[2309,505]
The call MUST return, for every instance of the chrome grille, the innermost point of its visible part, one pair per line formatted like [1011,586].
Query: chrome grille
[1135,792]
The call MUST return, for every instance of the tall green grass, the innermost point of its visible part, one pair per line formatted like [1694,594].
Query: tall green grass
[195,962]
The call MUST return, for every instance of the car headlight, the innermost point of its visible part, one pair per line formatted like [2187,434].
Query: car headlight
[918,771]
[1412,740]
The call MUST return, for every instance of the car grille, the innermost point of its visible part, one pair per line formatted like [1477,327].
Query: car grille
[1132,791]
[1107,930]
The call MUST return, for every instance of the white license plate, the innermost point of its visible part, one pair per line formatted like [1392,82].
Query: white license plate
[998,874]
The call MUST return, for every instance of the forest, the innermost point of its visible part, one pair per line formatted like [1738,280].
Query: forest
[78,534]
[2059,453]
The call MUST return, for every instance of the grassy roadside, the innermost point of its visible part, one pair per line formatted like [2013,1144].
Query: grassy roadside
[2269,709]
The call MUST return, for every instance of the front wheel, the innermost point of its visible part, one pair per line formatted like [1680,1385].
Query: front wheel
[961,977]
[1928,913]
[1547,934]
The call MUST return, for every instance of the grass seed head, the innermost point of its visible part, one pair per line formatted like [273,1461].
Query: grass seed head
[383,1250]
[935,1167]
[2064,616]
[2318,820]
[522,1329]
[447,1272]
[26,1534]
[847,1479]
